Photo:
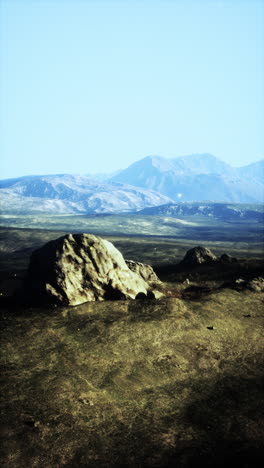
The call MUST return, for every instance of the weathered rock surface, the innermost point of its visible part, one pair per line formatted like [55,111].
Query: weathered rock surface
[145,271]
[78,268]
[198,255]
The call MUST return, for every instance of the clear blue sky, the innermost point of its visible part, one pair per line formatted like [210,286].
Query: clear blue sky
[92,86]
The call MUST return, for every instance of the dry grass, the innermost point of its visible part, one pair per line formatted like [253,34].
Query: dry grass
[132,384]
[174,382]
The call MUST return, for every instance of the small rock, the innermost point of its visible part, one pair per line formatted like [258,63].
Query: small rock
[240,281]
[85,401]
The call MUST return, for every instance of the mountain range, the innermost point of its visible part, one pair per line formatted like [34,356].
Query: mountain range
[65,193]
[220,211]
[198,177]
[149,182]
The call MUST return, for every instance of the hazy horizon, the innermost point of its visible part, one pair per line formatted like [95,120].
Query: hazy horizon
[92,87]
[76,173]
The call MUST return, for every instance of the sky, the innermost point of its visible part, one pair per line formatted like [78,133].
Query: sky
[93,86]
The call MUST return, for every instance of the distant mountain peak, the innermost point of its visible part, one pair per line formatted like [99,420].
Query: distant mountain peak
[200,176]
[151,181]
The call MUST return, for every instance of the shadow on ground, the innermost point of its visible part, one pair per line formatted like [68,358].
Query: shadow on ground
[134,384]
[227,423]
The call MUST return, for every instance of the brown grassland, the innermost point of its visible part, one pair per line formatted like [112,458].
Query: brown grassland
[172,382]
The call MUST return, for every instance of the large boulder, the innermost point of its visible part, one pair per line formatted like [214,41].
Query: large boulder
[78,268]
[197,256]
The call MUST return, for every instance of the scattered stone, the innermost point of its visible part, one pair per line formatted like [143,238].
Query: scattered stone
[240,281]
[256,285]
[198,255]
[85,401]
[30,421]
[77,268]
[145,271]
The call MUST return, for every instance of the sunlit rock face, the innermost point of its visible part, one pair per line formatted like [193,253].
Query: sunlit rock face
[143,270]
[78,268]
[198,255]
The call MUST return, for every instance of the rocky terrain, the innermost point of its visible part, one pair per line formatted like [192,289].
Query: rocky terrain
[176,381]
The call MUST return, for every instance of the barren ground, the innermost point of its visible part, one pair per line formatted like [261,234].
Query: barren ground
[174,382]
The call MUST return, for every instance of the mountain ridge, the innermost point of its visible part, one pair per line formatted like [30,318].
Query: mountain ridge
[151,181]
[196,177]
[66,193]
[222,211]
